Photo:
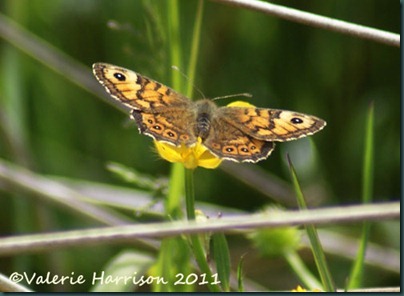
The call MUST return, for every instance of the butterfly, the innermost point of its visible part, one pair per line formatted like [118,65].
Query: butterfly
[241,134]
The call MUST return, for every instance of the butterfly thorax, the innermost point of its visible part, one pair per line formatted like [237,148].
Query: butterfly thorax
[205,110]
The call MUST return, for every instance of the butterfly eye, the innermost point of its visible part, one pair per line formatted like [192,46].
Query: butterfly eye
[120,76]
[296,120]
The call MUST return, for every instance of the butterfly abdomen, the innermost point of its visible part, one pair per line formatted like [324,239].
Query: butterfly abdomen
[202,125]
[205,110]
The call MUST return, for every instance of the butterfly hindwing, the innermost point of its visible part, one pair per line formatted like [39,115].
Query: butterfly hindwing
[174,126]
[230,143]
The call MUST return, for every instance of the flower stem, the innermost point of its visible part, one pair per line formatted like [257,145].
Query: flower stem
[190,194]
[196,243]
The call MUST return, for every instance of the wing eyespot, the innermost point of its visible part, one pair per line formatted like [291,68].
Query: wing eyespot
[119,76]
[296,120]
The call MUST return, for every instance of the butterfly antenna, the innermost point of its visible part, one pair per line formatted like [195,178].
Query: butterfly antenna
[233,95]
[187,78]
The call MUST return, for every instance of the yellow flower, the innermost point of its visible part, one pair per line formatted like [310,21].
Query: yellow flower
[196,155]
[240,104]
[300,289]
[191,157]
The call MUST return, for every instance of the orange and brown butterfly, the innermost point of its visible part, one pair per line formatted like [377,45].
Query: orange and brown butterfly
[241,134]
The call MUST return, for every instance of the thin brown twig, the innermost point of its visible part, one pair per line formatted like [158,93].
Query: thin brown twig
[318,21]
[374,290]
[7,285]
[127,233]
[24,180]
[53,58]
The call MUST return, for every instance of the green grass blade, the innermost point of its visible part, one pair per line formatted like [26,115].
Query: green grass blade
[194,48]
[222,258]
[356,276]
[316,247]
[174,41]
[177,174]
[174,254]
[196,242]
[302,271]
[240,283]
[175,190]
[174,258]
[367,185]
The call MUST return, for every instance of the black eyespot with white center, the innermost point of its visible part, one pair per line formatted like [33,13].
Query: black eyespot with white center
[120,76]
[296,120]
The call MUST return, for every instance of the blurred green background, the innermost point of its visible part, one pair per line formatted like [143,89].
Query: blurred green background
[54,127]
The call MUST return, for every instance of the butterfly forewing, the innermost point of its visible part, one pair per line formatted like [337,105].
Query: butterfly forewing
[136,91]
[271,124]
